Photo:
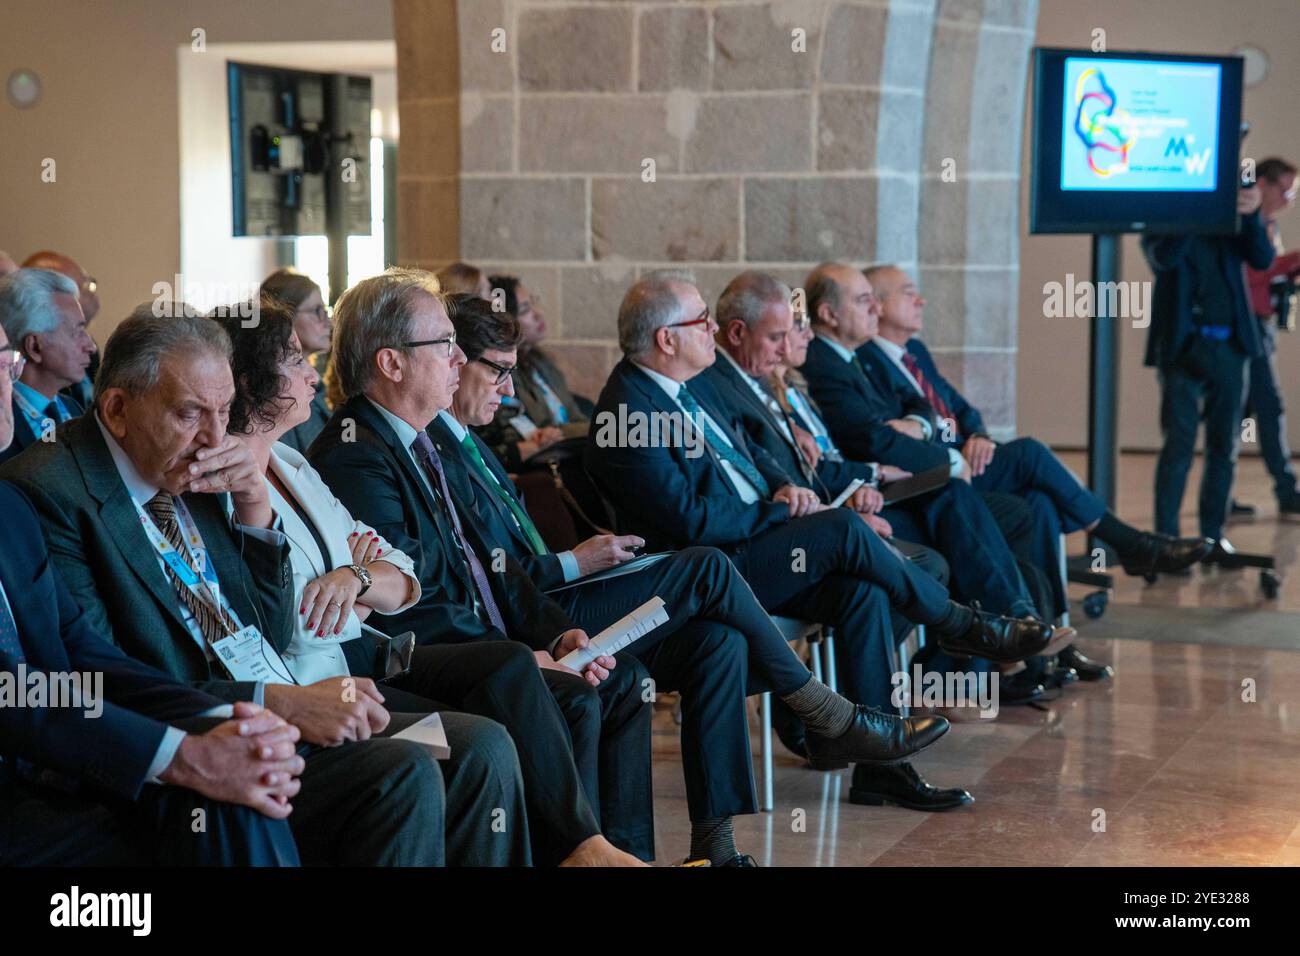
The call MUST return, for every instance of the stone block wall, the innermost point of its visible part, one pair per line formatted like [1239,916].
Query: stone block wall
[781,133]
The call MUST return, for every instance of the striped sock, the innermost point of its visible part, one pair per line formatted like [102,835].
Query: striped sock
[713,840]
[822,711]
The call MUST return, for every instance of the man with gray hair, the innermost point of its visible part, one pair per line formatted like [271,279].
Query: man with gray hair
[42,318]
[152,472]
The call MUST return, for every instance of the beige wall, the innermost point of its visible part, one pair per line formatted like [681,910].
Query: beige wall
[1053,361]
[109,117]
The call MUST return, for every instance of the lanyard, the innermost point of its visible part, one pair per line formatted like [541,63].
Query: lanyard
[203,583]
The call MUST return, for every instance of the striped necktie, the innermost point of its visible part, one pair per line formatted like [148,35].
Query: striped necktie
[214,624]
[725,450]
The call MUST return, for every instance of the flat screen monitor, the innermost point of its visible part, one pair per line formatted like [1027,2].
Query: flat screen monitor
[1134,142]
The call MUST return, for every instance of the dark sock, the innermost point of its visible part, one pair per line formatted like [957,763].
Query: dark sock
[822,711]
[957,619]
[713,840]
[1120,536]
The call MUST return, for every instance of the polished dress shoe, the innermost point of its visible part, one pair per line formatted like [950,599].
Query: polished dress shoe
[1057,677]
[1239,509]
[1087,669]
[996,637]
[1163,554]
[1022,688]
[875,737]
[901,786]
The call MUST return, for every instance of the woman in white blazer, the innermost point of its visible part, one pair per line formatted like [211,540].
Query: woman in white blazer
[343,571]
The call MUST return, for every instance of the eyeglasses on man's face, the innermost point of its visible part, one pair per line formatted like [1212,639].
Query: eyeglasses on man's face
[449,341]
[12,361]
[702,319]
[503,371]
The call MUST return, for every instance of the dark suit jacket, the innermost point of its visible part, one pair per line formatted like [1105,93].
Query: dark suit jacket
[856,408]
[1175,287]
[504,438]
[376,479]
[670,499]
[885,374]
[96,541]
[114,750]
[474,491]
[24,437]
[828,479]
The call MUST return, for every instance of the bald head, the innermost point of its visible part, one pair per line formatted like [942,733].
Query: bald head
[88,289]
[901,306]
[841,304]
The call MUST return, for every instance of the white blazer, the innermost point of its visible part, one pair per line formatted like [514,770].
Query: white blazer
[311,658]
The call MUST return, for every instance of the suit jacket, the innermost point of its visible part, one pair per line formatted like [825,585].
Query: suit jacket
[365,465]
[664,495]
[94,536]
[113,751]
[886,374]
[24,437]
[1175,288]
[504,438]
[473,491]
[312,658]
[856,408]
[828,479]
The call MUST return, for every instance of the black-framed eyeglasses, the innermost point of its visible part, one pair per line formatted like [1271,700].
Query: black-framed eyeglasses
[450,342]
[503,371]
[702,319]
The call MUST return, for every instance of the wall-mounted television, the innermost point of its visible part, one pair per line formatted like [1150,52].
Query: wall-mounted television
[1134,142]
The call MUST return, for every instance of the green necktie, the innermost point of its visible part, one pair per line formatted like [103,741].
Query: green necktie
[521,516]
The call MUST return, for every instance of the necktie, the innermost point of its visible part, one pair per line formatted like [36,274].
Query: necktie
[9,643]
[213,624]
[936,402]
[720,445]
[521,516]
[426,455]
[55,412]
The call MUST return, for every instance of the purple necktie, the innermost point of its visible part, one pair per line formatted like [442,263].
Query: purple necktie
[427,456]
[9,643]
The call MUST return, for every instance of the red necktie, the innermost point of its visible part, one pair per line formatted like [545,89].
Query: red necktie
[938,404]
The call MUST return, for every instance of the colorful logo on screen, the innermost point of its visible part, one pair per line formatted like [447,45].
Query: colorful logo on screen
[1100,125]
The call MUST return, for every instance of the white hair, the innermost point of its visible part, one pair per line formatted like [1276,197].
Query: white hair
[27,302]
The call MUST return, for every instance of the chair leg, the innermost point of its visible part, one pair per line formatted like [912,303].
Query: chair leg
[828,650]
[1064,619]
[815,658]
[766,803]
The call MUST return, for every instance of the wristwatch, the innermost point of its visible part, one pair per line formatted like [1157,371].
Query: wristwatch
[364,576]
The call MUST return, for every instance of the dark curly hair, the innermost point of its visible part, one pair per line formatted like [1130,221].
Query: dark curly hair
[260,348]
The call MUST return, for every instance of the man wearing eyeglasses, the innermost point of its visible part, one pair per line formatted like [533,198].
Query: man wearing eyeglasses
[88,298]
[41,316]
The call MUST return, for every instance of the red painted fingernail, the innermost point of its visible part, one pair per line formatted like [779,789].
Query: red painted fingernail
[321,632]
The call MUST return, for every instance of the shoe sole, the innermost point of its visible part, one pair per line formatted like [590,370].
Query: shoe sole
[876,800]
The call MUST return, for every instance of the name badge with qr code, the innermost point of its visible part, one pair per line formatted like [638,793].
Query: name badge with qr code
[245,656]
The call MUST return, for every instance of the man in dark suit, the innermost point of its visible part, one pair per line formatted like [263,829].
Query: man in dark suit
[114,779]
[87,298]
[901,428]
[1203,332]
[681,471]
[42,319]
[160,524]
[397,364]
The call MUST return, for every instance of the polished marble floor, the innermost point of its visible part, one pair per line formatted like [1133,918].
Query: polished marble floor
[1166,764]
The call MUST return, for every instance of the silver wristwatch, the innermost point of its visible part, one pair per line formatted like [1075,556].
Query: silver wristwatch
[364,576]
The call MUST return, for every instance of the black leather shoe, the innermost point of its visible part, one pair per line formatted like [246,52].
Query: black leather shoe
[789,728]
[875,737]
[1088,670]
[1058,676]
[1239,509]
[997,637]
[901,786]
[1022,688]
[1162,554]
[740,859]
